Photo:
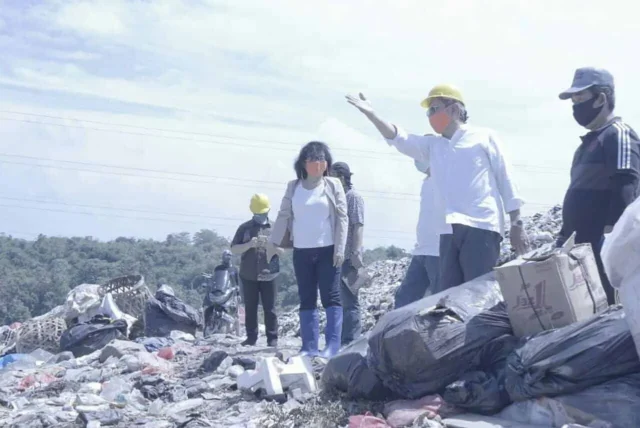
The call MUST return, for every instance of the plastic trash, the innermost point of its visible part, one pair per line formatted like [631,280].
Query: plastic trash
[151,364]
[41,355]
[166,353]
[402,413]
[484,391]
[12,358]
[166,313]
[616,401]
[176,408]
[621,259]
[420,348]
[621,249]
[115,387]
[107,308]
[84,339]
[548,412]
[368,420]
[81,299]
[181,335]
[348,372]
[572,358]
[153,344]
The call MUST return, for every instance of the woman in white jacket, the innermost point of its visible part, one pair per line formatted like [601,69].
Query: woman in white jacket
[313,221]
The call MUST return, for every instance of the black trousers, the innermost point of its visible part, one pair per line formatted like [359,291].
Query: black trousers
[254,291]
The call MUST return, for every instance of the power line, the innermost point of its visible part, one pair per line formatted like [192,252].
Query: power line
[161,171]
[252,186]
[227,144]
[107,207]
[237,182]
[384,156]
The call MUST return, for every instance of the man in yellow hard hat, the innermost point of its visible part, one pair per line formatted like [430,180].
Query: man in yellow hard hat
[473,182]
[257,274]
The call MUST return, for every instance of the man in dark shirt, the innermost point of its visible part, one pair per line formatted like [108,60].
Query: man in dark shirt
[351,324]
[227,264]
[605,168]
[258,276]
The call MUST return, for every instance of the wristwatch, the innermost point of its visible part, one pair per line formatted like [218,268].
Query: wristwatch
[517,223]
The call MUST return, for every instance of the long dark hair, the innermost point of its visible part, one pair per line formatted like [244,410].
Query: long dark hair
[312,151]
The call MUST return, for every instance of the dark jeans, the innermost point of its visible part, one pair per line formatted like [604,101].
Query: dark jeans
[423,274]
[471,253]
[253,292]
[351,324]
[314,270]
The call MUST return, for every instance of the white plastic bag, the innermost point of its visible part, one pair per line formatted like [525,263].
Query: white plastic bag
[81,299]
[109,308]
[621,249]
[621,259]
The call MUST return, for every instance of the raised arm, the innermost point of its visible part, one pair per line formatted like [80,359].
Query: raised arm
[415,146]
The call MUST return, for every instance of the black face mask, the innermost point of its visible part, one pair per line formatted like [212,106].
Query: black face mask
[584,113]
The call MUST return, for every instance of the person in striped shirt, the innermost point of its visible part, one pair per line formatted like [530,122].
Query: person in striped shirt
[606,166]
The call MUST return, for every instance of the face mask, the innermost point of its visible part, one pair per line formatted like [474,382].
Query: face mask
[584,113]
[316,168]
[439,121]
[260,218]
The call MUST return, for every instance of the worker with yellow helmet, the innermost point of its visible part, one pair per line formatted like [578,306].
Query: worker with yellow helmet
[473,183]
[258,275]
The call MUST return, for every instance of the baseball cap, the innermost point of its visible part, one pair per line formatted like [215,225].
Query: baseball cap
[342,169]
[586,77]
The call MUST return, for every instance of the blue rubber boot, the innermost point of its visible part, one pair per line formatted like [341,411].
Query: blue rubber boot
[309,330]
[333,331]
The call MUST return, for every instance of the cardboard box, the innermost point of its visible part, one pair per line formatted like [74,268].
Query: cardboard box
[552,289]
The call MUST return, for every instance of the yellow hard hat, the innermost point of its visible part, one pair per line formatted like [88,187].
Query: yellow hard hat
[443,91]
[259,204]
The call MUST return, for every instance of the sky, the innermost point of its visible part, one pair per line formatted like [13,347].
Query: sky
[141,119]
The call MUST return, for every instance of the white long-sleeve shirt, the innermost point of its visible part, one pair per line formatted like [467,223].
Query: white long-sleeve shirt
[472,178]
[431,221]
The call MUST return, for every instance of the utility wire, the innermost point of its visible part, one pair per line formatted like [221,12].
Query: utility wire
[108,207]
[235,181]
[383,155]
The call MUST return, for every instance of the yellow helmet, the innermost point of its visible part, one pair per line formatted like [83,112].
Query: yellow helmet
[443,91]
[259,204]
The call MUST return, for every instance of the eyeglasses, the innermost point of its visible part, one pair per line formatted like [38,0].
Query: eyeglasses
[434,109]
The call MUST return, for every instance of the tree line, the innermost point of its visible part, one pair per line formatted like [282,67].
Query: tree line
[36,275]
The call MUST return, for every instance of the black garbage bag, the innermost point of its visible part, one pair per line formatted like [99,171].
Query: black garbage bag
[166,312]
[348,372]
[616,401]
[483,391]
[572,358]
[86,338]
[420,348]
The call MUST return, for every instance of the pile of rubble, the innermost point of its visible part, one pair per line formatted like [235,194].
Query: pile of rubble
[184,381]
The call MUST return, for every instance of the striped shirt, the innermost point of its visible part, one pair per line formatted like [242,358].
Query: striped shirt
[604,180]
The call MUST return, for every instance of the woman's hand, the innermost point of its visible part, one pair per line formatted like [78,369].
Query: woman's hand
[338,259]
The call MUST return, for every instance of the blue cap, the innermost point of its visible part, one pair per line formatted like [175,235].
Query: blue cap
[586,77]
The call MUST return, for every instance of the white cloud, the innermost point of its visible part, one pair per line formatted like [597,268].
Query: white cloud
[280,69]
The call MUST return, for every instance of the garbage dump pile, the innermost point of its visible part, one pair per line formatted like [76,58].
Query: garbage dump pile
[118,355]
[77,366]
